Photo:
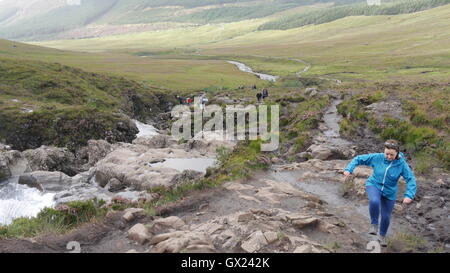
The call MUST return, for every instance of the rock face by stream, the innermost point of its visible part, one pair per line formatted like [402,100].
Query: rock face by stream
[122,171]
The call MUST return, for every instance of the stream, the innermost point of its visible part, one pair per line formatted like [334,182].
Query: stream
[247,69]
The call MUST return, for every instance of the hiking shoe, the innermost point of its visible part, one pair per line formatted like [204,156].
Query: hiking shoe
[373,229]
[382,240]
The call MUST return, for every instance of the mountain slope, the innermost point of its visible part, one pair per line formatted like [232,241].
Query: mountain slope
[42,19]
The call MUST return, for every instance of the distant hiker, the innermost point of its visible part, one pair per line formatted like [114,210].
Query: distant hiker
[188,101]
[180,99]
[259,96]
[254,86]
[203,100]
[381,187]
[265,93]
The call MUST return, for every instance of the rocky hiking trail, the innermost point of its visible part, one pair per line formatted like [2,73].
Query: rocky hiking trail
[300,207]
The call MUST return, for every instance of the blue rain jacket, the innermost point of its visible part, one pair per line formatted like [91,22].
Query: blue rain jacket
[386,174]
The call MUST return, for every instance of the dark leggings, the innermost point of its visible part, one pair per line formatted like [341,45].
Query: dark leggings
[377,201]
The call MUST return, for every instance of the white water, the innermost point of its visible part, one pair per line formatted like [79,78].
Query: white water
[21,201]
[145,129]
[247,69]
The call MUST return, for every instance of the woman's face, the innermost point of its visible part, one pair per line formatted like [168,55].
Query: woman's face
[390,154]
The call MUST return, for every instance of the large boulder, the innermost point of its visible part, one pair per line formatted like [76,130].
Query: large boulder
[11,163]
[95,151]
[139,234]
[328,152]
[51,159]
[134,167]
[46,181]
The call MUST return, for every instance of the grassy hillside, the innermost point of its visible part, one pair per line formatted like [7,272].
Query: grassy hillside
[52,104]
[334,13]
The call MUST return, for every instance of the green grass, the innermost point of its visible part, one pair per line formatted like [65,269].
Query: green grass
[69,106]
[51,221]
[427,141]
[409,242]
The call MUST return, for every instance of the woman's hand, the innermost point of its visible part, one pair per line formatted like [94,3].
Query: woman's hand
[346,173]
[407,200]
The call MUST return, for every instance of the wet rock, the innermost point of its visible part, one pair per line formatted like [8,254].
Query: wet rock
[132,213]
[139,234]
[84,177]
[82,192]
[254,242]
[95,151]
[5,172]
[321,153]
[12,163]
[46,181]
[51,159]
[115,185]
[329,152]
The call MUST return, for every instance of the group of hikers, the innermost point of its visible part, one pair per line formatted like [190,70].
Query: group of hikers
[262,95]
[203,99]
[188,101]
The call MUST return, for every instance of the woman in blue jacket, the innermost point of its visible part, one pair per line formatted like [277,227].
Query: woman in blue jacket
[382,187]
